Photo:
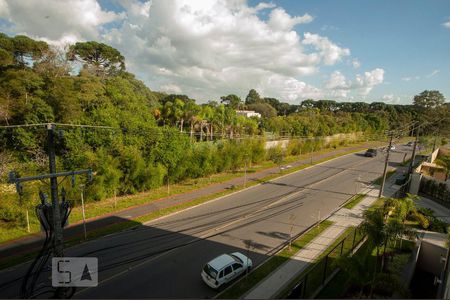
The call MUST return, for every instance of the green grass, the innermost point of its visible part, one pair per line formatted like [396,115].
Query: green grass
[354,200]
[379,180]
[245,284]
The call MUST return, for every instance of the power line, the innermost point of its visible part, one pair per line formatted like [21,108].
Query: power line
[45,125]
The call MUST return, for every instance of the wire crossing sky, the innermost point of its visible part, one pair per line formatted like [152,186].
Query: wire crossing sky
[346,50]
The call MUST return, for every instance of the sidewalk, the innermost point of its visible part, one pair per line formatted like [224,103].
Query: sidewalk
[34,242]
[342,219]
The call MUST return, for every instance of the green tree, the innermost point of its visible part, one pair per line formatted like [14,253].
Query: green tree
[308,103]
[169,150]
[265,109]
[429,100]
[374,227]
[103,59]
[252,97]
[26,48]
[232,101]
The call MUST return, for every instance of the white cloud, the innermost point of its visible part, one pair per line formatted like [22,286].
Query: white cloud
[171,89]
[337,81]
[288,88]
[391,99]
[279,19]
[203,48]
[217,47]
[340,87]
[446,24]
[57,20]
[4,10]
[432,73]
[264,5]
[366,82]
[329,52]
[356,63]
[410,78]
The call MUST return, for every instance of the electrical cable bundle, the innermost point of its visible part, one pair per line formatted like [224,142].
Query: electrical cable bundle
[45,217]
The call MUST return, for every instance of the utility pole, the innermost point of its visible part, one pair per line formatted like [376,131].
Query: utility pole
[413,157]
[57,212]
[58,241]
[386,164]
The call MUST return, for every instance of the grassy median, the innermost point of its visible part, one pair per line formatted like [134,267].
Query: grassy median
[354,201]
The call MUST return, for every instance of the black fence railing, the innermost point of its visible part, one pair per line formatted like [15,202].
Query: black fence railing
[317,276]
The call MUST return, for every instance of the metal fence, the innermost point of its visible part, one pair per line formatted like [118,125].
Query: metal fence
[318,275]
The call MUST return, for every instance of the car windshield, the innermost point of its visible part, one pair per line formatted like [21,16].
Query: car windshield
[210,271]
[371,150]
[236,258]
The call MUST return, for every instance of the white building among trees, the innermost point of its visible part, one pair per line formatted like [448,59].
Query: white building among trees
[248,113]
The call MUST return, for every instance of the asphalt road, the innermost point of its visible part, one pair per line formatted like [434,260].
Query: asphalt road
[163,258]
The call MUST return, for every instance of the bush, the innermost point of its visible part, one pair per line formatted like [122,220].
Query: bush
[423,221]
[12,216]
[276,154]
[435,224]
[435,189]
[294,147]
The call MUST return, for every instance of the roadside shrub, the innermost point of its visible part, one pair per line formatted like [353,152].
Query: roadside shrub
[435,224]
[276,154]
[12,216]
[423,221]
[294,147]
[257,150]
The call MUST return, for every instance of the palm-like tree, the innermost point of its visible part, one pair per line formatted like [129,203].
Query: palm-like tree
[375,229]
[190,114]
[167,112]
[178,112]
[207,114]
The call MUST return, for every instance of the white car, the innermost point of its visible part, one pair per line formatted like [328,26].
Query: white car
[225,268]
[392,147]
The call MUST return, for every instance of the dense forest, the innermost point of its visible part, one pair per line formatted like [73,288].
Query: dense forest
[155,137]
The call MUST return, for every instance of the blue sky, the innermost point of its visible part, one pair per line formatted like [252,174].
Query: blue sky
[404,37]
[346,50]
